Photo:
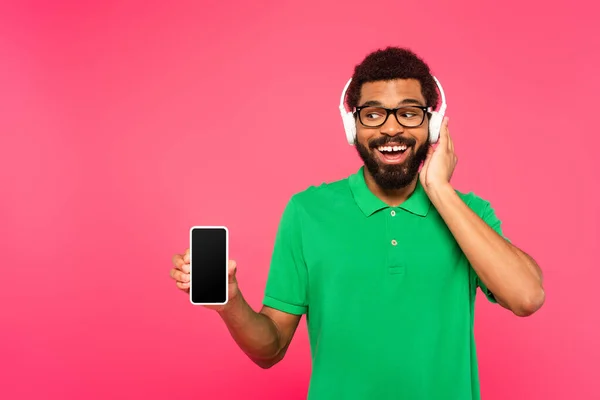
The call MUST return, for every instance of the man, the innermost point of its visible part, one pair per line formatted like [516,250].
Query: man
[386,263]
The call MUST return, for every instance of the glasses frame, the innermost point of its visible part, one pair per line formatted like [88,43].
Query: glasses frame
[426,111]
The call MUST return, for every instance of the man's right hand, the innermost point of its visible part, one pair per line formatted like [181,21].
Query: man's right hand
[263,336]
[181,275]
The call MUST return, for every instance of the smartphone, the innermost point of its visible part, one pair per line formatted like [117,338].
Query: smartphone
[209,259]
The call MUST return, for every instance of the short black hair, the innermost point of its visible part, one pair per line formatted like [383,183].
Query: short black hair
[388,64]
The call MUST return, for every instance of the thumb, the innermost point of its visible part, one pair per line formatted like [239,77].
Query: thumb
[232,270]
[186,256]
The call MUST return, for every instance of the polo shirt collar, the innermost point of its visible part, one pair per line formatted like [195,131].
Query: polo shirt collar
[417,203]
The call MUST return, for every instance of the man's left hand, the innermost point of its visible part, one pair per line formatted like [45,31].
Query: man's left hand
[440,162]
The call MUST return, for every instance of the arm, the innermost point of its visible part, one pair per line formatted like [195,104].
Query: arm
[263,336]
[266,335]
[510,274]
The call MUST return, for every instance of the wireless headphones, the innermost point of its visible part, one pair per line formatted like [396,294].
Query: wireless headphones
[435,122]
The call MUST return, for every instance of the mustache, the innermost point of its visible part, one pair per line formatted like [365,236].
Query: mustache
[396,140]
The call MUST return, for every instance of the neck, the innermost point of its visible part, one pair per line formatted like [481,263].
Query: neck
[391,197]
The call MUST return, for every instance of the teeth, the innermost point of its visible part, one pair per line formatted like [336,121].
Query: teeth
[392,148]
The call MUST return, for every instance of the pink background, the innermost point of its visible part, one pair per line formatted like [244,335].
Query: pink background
[123,124]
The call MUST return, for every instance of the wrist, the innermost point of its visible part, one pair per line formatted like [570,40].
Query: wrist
[438,191]
[440,188]
[233,303]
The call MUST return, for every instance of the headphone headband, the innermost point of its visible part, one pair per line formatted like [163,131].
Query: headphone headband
[437,82]
[342,106]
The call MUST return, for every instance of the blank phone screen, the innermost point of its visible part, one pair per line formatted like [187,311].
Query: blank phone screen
[208,263]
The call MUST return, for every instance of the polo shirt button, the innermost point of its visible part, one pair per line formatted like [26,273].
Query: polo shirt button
[394,242]
[393,213]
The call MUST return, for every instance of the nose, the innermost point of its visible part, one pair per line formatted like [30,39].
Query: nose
[391,127]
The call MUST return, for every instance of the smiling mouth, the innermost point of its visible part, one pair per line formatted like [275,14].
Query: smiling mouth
[392,154]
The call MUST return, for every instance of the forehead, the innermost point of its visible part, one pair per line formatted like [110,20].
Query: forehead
[391,92]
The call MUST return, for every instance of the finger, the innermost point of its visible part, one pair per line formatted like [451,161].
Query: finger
[185,268]
[179,276]
[444,134]
[177,261]
[183,286]
[186,256]
[450,141]
[232,269]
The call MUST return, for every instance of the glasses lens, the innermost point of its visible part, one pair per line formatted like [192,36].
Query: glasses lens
[372,116]
[410,116]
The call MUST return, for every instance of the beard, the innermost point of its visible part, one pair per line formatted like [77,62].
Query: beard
[397,176]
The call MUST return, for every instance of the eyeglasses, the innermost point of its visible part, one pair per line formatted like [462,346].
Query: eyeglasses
[408,116]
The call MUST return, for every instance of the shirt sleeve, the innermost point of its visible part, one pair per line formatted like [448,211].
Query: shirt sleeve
[287,282]
[489,216]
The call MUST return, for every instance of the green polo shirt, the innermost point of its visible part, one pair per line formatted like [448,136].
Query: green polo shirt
[389,296]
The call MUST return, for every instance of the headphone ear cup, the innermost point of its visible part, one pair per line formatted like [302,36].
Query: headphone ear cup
[349,127]
[435,124]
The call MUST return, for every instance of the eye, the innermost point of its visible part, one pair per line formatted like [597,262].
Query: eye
[373,115]
[408,115]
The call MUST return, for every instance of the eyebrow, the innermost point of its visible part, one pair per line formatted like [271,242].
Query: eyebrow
[375,103]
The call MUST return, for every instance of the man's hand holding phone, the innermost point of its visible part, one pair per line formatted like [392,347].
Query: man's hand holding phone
[206,274]
[181,275]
